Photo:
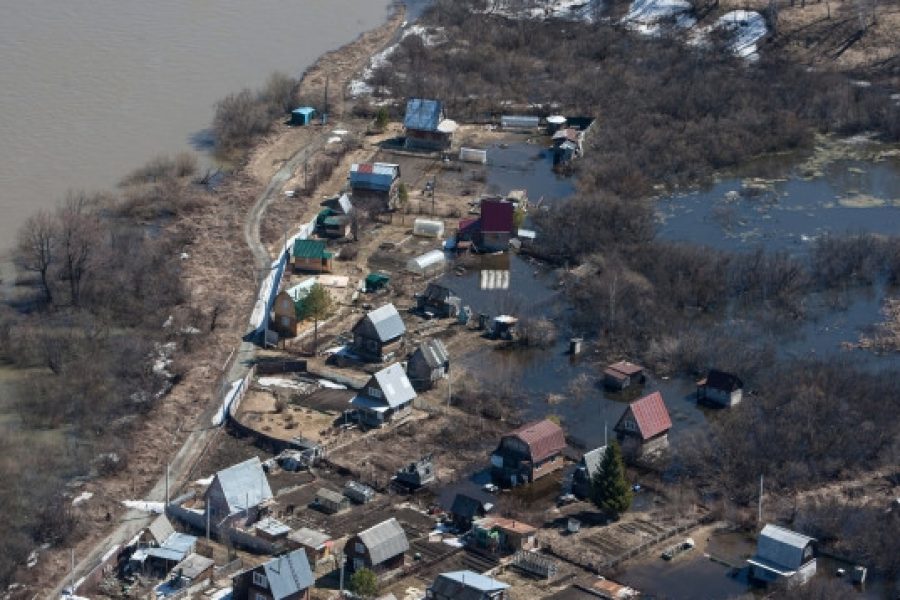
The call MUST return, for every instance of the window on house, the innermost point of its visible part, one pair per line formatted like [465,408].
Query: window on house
[375,392]
[360,549]
[358,564]
[259,580]
[285,322]
[260,596]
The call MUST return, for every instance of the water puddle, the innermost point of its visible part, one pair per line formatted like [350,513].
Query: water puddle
[526,166]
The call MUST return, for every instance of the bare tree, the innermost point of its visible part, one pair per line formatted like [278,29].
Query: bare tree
[79,231]
[37,246]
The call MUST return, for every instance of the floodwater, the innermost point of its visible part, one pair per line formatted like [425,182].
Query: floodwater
[789,211]
[93,89]
[527,166]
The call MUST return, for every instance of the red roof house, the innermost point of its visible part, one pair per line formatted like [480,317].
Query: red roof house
[528,453]
[496,225]
[645,424]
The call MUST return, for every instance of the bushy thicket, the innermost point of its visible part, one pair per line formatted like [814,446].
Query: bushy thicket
[667,112]
[84,337]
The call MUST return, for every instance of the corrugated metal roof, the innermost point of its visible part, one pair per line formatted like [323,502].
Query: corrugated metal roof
[389,169]
[244,483]
[160,529]
[289,574]
[330,495]
[309,537]
[423,115]
[625,368]
[506,524]
[386,322]
[543,438]
[309,249]
[782,547]
[651,415]
[496,216]
[525,121]
[304,110]
[273,527]
[193,566]
[593,459]
[433,352]
[394,384]
[301,290]
[385,540]
[466,585]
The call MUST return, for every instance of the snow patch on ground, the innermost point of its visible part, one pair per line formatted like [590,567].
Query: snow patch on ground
[145,505]
[82,497]
[224,594]
[332,385]
[219,417]
[205,480]
[282,383]
[649,16]
[747,28]
[573,10]
[430,37]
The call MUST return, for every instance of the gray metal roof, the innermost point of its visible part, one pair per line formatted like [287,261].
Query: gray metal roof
[781,547]
[433,352]
[593,459]
[385,540]
[394,384]
[289,574]
[385,323]
[330,495]
[466,585]
[244,485]
[160,529]
[309,537]
[193,566]
[424,115]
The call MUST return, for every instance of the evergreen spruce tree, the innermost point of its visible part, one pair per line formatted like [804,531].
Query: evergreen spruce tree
[610,491]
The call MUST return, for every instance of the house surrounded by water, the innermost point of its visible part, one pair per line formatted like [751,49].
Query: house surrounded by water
[783,554]
[644,426]
[528,453]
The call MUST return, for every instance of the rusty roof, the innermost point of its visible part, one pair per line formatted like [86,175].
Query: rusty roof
[651,415]
[625,368]
[507,525]
[543,438]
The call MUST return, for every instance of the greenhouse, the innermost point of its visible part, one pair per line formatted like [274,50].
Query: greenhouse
[429,263]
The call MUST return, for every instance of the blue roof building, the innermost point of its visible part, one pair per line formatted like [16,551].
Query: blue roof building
[303,115]
[426,127]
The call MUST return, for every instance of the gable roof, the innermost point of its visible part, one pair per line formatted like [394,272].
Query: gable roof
[383,323]
[330,495]
[160,529]
[394,385]
[650,414]
[543,438]
[193,566]
[244,485]
[339,204]
[466,507]
[385,540]
[436,292]
[309,249]
[780,549]
[432,352]
[506,525]
[623,367]
[593,459]
[424,115]
[720,380]
[497,215]
[309,537]
[288,574]
[466,585]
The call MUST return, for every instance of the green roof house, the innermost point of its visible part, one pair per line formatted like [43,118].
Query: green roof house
[311,255]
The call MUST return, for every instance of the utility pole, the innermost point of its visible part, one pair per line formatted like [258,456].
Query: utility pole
[433,189]
[343,561]
[167,488]
[449,386]
[759,509]
[207,520]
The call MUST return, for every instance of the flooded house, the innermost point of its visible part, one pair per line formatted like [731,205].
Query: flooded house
[316,544]
[466,585]
[416,474]
[334,220]
[528,453]
[783,554]
[379,334]
[241,489]
[311,256]
[438,301]
[428,364]
[380,548]
[587,468]
[719,388]
[502,535]
[426,125]
[465,510]
[496,225]
[567,145]
[388,394]
[644,426]
[375,184]
[623,374]
[285,577]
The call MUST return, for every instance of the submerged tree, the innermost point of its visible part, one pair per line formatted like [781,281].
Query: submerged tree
[317,306]
[610,491]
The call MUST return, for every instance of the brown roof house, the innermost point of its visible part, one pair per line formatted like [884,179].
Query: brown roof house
[286,577]
[528,453]
[622,374]
[719,388]
[644,426]
[504,535]
[387,395]
[379,334]
[380,548]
